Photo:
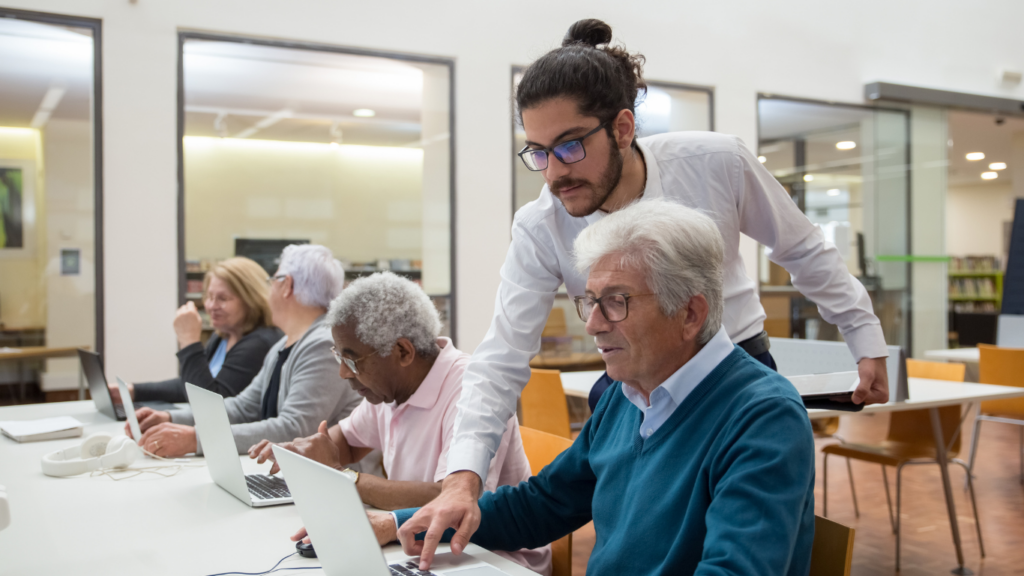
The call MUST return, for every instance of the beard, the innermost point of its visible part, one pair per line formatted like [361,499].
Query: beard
[599,192]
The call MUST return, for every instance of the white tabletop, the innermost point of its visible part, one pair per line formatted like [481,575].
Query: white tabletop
[150,525]
[923,393]
[969,355]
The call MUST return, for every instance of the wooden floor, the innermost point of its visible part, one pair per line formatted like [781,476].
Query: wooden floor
[927,541]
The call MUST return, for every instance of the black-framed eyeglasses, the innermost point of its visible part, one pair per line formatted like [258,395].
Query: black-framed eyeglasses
[614,307]
[568,152]
[348,362]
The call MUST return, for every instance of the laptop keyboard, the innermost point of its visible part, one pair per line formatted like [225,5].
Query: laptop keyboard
[119,412]
[410,568]
[266,487]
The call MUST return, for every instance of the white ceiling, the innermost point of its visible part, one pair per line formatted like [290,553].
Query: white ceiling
[976,132]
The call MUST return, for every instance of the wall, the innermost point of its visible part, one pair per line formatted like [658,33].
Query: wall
[974,219]
[793,47]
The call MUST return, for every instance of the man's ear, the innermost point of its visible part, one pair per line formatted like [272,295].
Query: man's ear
[624,129]
[406,352]
[696,313]
[287,286]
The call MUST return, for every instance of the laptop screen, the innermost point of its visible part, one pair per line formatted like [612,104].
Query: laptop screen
[92,367]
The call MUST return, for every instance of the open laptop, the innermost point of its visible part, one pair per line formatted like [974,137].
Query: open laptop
[214,431]
[334,516]
[92,367]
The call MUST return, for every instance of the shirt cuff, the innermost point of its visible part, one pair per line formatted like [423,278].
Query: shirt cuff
[866,341]
[395,518]
[469,455]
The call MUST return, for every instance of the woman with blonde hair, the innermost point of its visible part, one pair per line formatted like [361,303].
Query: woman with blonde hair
[235,294]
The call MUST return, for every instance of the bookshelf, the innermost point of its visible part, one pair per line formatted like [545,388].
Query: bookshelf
[975,284]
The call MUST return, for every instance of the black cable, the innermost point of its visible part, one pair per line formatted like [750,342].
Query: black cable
[274,569]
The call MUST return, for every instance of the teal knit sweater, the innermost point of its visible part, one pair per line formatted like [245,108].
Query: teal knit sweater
[725,486]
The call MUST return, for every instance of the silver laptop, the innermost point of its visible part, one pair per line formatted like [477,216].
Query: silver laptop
[214,431]
[334,515]
[92,367]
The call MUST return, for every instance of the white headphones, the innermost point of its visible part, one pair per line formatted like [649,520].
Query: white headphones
[98,451]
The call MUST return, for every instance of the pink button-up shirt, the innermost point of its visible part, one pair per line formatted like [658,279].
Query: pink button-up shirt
[416,435]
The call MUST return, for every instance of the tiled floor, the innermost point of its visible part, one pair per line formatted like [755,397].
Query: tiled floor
[927,540]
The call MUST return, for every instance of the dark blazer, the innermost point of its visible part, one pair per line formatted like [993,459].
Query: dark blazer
[242,363]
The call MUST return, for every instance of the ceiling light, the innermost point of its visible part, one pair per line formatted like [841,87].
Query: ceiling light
[808,178]
[997,166]
[833,192]
[989,175]
[846,145]
[762,159]
[364,113]
[974,156]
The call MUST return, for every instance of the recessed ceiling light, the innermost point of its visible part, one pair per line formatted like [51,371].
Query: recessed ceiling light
[364,113]
[808,178]
[833,192]
[997,166]
[762,159]
[846,145]
[975,156]
[989,175]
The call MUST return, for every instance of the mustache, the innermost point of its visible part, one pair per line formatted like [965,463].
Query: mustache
[566,182]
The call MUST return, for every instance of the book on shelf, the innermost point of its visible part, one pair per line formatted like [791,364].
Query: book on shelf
[974,264]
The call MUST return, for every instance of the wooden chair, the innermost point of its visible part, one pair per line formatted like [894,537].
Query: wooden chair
[541,448]
[544,405]
[1003,366]
[832,550]
[910,441]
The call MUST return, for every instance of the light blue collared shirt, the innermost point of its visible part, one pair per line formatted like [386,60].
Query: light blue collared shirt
[671,393]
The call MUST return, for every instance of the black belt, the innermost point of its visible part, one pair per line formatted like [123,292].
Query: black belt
[757,345]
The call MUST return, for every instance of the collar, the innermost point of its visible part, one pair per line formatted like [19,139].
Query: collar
[652,188]
[690,375]
[426,395]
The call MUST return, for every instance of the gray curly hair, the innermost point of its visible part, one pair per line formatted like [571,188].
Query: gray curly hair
[679,249]
[385,307]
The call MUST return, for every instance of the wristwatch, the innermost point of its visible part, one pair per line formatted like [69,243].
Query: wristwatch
[351,475]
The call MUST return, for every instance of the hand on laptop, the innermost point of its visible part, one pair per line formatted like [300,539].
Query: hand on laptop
[115,394]
[319,447]
[169,440]
[456,507]
[383,523]
[148,418]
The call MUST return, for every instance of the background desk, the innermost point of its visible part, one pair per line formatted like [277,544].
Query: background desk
[183,525]
[42,353]
[966,355]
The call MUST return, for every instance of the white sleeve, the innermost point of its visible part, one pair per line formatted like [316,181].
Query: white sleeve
[769,215]
[500,366]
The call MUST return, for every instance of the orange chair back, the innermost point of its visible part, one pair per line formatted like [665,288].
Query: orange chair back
[541,449]
[832,549]
[1005,367]
[915,426]
[543,403]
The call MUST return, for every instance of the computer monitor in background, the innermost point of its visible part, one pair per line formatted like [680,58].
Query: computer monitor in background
[265,252]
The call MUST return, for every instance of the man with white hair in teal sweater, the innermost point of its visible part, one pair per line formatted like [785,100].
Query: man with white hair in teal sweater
[703,461]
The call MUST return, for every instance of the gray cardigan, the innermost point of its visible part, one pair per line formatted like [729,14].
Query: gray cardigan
[311,391]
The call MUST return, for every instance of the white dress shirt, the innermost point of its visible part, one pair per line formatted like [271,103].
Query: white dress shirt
[710,172]
[671,393]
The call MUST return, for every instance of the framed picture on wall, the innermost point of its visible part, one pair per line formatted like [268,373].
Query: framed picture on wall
[17,208]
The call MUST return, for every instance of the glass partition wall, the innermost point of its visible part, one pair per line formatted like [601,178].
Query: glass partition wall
[50,249]
[287,144]
[846,167]
[666,107]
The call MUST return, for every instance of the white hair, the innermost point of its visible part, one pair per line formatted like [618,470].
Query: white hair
[679,250]
[316,276]
[385,307]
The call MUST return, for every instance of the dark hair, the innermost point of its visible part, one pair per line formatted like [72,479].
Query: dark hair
[601,78]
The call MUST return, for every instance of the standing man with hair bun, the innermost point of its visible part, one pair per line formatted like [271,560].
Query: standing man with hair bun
[576,104]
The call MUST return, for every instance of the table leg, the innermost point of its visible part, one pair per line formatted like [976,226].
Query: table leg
[81,382]
[940,456]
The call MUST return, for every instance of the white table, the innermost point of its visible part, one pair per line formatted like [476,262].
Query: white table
[924,394]
[150,525]
[965,355]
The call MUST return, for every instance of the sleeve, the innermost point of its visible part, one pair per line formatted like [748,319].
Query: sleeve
[170,390]
[360,427]
[538,511]
[768,215]
[500,366]
[314,390]
[241,365]
[758,482]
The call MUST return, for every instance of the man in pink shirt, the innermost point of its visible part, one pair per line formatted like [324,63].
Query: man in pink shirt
[385,331]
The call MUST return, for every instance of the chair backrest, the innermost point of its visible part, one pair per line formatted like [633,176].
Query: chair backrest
[543,403]
[1003,366]
[556,325]
[541,448]
[832,551]
[915,426]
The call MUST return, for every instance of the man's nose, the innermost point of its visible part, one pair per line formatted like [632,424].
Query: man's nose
[556,169]
[597,323]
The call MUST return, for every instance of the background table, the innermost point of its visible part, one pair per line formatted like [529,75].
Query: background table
[42,353]
[149,525]
[966,355]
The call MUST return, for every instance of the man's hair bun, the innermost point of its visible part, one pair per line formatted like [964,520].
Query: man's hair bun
[590,31]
